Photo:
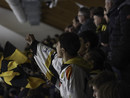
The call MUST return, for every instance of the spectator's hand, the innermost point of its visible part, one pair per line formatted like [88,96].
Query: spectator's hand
[30,38]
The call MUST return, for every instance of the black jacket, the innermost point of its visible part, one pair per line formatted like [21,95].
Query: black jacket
[87,26]
[119,30]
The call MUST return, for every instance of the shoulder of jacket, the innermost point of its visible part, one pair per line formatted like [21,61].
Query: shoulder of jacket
[127,2]
[68,72]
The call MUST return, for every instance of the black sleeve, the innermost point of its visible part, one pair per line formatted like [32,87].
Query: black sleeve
[105,36]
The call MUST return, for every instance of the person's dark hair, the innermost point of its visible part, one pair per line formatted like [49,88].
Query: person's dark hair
[90,36]
[70,42]
[114,89]
[102,78]
[91,11]
[99,11]
[76,19]
[91,8]
[85,11]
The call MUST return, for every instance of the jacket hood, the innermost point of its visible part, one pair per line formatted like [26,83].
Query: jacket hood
[126,2]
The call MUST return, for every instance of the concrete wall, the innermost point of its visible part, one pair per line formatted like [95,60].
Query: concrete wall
[14,38]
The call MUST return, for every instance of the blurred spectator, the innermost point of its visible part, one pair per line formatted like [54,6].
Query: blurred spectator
[101,29]
[69,28]
[89,41]
[119,40]
[76,24]
[84,20]
[114,89]
[102,78]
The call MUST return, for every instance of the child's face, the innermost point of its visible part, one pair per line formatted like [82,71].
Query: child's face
[97,20]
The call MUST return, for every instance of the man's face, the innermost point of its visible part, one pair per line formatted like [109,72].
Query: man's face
[97,20]
[58,49]
[95,92]
[108,5]
[81,17]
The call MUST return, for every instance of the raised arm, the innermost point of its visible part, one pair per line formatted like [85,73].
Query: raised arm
[32,42]
[44,56]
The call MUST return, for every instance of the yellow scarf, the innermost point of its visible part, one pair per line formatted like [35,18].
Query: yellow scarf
[80,62]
